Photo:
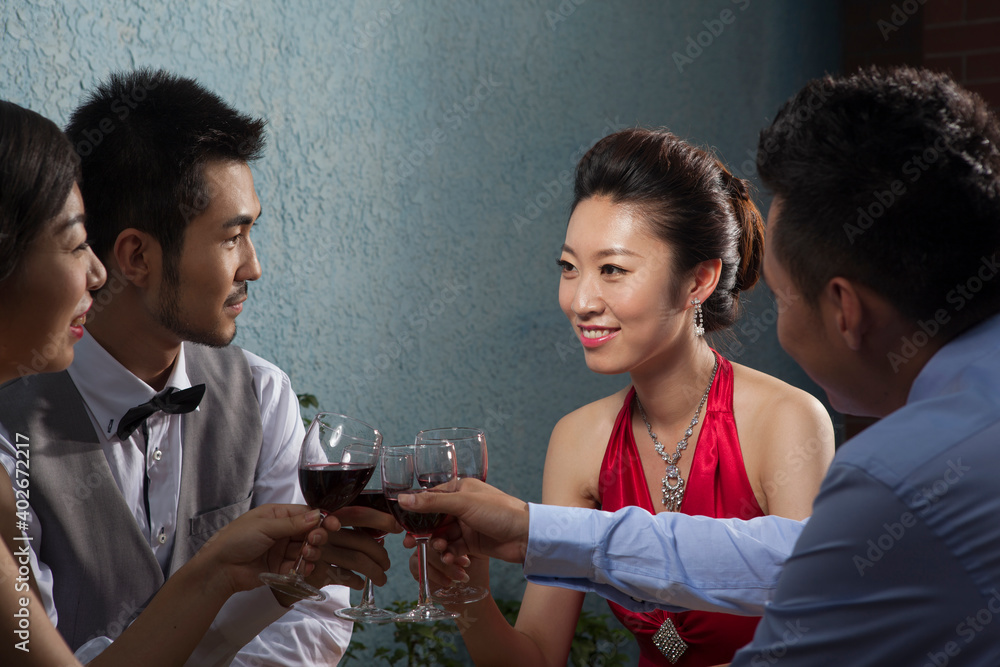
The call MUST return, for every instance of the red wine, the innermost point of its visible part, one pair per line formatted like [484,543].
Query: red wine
[330,486]
[375,500]
[416,523]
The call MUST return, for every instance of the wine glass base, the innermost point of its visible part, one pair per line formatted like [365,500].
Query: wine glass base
[459,594]
[292,586]
[366,615]
[425,615]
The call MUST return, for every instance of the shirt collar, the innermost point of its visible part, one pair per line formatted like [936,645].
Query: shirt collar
[949,369]
[108,388]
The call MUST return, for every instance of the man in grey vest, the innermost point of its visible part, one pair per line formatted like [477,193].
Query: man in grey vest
[160,433]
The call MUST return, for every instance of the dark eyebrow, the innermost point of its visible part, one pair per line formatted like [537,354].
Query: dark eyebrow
[607,252]
[78,219]
[616,250]
[241,220]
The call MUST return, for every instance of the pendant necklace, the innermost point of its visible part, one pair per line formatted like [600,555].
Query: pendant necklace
[673,483]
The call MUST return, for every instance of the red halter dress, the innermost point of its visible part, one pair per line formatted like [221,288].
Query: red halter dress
[718,487]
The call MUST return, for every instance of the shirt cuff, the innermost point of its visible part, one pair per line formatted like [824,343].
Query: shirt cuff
[563,549]
[561,542]
[241,619]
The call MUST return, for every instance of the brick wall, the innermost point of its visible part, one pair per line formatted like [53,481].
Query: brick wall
[961,37]
[874,35]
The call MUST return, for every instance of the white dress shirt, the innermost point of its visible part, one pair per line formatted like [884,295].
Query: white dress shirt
[307,632]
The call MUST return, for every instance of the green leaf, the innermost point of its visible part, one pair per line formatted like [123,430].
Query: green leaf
[307,401]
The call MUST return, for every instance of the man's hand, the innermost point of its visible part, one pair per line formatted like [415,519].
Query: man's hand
[352,551]
[488,522]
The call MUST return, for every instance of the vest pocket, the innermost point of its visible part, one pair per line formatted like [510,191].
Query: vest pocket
[206,524]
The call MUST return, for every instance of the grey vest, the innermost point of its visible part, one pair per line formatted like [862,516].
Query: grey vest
[104,572]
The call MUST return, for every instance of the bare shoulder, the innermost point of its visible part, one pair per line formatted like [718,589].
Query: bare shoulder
[576,450]
[787,441]
[764,403]
[592,418]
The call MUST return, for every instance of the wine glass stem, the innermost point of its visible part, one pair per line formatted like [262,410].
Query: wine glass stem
[368,592]
[302,557]
[298,566]
[424,593]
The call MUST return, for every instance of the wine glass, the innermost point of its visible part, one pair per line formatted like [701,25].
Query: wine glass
[338,457]
[470,449]
[367,611]
[415,469]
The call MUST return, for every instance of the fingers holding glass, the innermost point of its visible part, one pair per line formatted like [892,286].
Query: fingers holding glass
[418,469]
[338,457]
[472,462]
[367,611]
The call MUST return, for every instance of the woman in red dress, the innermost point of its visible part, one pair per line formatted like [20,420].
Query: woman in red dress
[660,244]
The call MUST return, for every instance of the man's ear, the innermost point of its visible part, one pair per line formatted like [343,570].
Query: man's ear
[850,309]
[706,276]
[138,256]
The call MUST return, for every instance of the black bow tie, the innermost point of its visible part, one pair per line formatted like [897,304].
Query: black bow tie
[170,400]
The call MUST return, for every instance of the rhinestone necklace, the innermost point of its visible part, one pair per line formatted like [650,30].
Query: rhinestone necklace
[673,483]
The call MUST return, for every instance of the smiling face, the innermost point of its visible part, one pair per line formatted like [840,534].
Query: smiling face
[46,300]
[618,289]
[217,259]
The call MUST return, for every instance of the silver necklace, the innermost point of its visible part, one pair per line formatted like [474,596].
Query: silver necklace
[673,483]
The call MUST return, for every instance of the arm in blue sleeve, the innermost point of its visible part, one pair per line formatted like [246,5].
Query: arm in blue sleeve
[665,561]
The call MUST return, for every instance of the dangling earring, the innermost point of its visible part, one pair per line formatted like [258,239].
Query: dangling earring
[699,318]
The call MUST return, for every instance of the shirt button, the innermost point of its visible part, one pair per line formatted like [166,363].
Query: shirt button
[162,538]
[157,455]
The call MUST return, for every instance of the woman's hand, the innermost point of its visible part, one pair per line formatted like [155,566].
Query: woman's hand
[268,538]
[442,568]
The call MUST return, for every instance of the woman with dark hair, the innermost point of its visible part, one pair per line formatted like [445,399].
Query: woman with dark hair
[46,273]
[661,241]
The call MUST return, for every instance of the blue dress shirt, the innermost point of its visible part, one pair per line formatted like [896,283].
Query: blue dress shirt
[899,564]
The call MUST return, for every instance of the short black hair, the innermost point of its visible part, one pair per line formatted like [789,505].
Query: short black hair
[38,168]
[143,138]
[890,177]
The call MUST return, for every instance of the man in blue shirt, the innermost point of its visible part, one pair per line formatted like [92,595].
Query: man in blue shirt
[885,231]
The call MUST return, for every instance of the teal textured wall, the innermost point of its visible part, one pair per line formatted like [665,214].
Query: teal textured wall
[415,185]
